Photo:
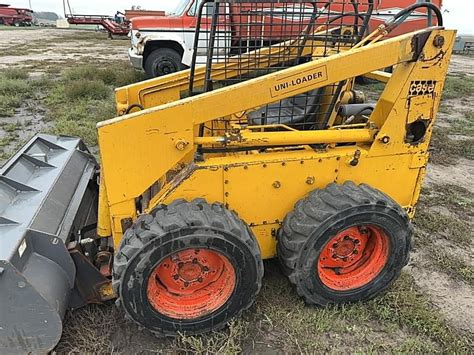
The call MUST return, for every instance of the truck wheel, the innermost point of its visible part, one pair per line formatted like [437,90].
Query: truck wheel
[188,267]
[162,61]
[344,243]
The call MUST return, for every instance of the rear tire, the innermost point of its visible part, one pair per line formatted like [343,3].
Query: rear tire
[344,243]
[187,267]
[162,61]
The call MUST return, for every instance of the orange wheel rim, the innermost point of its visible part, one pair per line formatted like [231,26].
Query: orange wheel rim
[353,258]
[191,283]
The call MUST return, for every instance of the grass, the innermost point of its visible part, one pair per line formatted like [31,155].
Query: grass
[87,89]
[457,87]
[115,75]
[402,320]
[16,88]
[453,197]
[451,264]
[402,308]
[447,151]
[437,224]
[83,97]
[16,74]
[454,229]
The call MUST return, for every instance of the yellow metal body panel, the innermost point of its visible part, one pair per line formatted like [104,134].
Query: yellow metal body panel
[262,187]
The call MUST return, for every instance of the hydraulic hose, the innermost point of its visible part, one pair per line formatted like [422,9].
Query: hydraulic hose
[399,17]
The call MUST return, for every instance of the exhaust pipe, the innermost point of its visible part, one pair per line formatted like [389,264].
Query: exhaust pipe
[48,192]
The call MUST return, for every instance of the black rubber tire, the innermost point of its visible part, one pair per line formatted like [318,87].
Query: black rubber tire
[178,226]
[319,217]
[162,61]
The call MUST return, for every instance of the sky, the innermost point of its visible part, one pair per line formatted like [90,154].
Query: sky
[458,14]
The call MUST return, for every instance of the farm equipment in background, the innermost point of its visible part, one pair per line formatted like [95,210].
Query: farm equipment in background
[263,149]
[113,27]
[116,25]
[163,45]
[14,16]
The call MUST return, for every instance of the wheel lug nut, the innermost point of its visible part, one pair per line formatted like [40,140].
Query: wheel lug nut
[356,241]
[344,259]
[180,264]
[186,284]
[334,256]
[334,245]
[195,261]
[205,268]
[200,279]
[175,276]
[355,252]
[346,237]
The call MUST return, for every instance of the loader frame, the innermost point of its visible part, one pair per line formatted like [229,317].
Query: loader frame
[388,153]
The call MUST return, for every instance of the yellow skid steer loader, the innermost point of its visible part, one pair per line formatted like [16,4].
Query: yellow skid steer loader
[264,150]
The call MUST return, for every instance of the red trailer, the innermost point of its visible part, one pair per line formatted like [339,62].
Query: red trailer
[14,16]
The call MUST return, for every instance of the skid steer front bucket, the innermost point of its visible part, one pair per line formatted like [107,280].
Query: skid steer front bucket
[48,191]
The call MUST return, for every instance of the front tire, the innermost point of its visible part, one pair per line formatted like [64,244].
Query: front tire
[344,243]
[187,267]
[162,61]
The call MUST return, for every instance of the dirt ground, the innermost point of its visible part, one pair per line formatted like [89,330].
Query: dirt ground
[430,309]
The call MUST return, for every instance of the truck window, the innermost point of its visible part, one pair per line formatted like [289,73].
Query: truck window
[207,11]
[178,10]
[194,8]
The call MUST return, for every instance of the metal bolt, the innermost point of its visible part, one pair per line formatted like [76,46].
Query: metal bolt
[438,41]
[276,184]
[334,245]
[205,269]
[175,276]
[186,284]
[181,144]
[385,139]
[200,279]
[310,180]
[334,256]
[355,252]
